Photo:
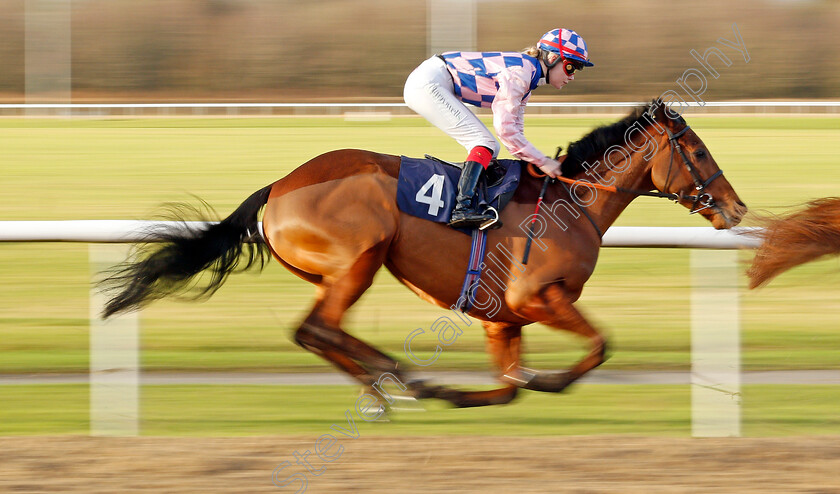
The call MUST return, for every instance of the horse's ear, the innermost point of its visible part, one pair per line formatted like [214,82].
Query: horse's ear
[660,112]
[656,110]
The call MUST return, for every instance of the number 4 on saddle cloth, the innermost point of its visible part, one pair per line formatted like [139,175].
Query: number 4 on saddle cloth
[427,188]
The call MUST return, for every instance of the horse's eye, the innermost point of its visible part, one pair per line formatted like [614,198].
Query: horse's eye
[700,154]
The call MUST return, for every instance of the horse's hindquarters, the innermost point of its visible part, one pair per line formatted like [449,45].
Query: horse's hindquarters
[321,229]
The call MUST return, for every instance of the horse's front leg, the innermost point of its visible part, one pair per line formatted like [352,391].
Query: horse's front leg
[553,307]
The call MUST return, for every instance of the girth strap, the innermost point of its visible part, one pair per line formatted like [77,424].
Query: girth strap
[473,276]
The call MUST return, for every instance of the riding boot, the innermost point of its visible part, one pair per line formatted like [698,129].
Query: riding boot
[467,215]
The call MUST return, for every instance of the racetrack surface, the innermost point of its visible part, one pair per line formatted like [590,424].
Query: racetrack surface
[575,464]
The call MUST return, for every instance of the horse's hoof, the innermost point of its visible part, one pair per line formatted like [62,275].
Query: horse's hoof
[550,382]
[553,382]
[422,391]
[519,377]
[405,404]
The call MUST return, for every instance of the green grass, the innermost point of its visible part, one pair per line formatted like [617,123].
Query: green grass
[778,410]
[124,168]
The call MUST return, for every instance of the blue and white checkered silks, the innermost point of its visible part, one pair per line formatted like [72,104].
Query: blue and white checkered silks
[474,74]
[567,43]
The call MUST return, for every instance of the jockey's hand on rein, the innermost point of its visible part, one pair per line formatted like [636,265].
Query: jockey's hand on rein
[550,167]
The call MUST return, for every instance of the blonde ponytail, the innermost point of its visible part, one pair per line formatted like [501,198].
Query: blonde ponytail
[533,51]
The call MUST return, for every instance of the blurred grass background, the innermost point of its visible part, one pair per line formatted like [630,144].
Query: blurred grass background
[57,169]
[653,410]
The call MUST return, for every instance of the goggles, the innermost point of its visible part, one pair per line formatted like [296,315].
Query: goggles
[571,66]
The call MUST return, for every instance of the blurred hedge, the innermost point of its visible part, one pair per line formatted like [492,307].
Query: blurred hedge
[331,49]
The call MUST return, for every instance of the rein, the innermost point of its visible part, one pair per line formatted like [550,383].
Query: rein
[613,188]
[701,198]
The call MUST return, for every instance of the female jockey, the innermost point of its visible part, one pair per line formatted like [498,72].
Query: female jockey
[502,81]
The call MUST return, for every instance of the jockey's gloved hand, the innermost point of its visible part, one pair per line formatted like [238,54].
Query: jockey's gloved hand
[550,167]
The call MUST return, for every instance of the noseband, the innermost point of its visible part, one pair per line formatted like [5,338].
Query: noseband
[702,199]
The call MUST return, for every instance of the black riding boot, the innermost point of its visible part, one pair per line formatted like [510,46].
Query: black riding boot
[466,215]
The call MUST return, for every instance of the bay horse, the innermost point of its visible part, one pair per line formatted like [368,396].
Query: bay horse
[334,222]
[796,238]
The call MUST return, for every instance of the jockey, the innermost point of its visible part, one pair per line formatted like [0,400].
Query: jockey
[502,81]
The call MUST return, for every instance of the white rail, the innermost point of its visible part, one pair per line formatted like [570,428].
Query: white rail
[235,108]
[558,104]
[128,231]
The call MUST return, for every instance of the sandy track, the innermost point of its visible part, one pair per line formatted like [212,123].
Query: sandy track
[600,464]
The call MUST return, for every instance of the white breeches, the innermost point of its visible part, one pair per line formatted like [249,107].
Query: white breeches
[429,91]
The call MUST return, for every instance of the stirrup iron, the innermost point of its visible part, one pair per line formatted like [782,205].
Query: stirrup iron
[491,224]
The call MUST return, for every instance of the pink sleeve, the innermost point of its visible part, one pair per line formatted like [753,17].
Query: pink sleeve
[509,115]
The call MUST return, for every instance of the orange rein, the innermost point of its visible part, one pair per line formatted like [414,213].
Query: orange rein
[536,173]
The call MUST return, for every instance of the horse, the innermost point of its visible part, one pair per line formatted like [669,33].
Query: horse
[334,222]
[796,238]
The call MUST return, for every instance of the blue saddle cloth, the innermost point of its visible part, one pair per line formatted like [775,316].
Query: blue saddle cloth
[427,188]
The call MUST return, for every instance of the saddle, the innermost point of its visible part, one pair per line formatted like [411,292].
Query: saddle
[427,187]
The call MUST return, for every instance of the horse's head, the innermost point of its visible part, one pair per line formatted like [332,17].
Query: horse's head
[685,167]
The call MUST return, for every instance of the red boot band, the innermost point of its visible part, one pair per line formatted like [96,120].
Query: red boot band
[480,154]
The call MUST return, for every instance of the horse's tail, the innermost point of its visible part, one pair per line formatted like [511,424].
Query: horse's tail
[172,258]
[797,238]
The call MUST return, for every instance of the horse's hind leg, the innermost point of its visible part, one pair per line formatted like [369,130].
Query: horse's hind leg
[321,331]
[553,307]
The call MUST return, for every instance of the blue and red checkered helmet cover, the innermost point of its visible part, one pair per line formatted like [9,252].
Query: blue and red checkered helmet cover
[567,43]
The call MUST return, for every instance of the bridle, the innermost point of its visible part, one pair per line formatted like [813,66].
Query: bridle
[701,198]
[700,201]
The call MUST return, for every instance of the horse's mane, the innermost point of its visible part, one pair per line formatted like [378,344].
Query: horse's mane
[593,145]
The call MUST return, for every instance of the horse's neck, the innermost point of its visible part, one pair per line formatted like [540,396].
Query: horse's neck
[609,205]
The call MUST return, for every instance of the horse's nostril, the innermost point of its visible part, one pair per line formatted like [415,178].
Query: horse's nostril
[738,202]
